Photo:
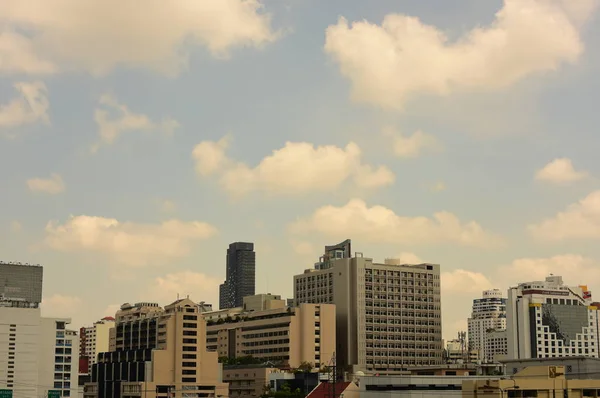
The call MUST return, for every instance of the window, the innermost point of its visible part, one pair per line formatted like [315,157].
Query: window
[60,326]
[188,364]
[190,318]
[188,379]
[190,341]
[190,325]
[188,371]
[189,348]
[189,356]
[190,333]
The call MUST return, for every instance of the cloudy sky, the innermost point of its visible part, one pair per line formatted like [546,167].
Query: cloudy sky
[137,142]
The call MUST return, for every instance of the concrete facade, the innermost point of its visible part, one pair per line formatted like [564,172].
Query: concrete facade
[388,315]
[488,314]
[575,367]
[288,336]
[547,319]
[247,381]
[94,340]
[534,381]
[261,302]
[158,352]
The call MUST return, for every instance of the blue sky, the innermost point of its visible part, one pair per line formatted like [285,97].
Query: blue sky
[136,146]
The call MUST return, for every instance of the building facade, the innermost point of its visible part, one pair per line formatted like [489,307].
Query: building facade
[157,353]
[92,341]
[240,275]
[388,315]
[488,314]
[247,381]
[37,354]
[547,319]
[458,352]
[496,346]
[287,336]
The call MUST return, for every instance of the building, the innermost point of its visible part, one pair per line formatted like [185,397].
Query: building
[496,346]
[247,381]
[284,336]
[157,353]
[37,354]
[547,319]
[458,352]
[21,282]
[335,390]
[92,341]
[488,314]
[261,302]
[575,367]
[534,381]
[388,315]
[240,279]
[416,386]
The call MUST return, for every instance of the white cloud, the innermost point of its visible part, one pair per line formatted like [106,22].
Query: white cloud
[110,129]
[412,146]
[16,226]
[409,258]
[382,225]
[560,171]
[127,243]
[402,57]
[199,287]
[464,282]
[297,168]
[580,220]
[103,35]
[30,107]
[52,186]
[304,248]
[111,310]
[168,206]
[61,306]
[438,187]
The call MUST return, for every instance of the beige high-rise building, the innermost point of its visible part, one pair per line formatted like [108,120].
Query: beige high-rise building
[158,353]
[94,340]
[388,315]
[285,335]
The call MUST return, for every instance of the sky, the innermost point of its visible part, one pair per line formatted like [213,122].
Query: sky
[136,143]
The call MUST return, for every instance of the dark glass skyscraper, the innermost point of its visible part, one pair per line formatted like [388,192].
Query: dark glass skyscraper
[240,278]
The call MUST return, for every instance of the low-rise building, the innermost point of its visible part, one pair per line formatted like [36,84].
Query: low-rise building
[575,367]
[262,302]
[247,381]
[534,381]
[496,346]
[286,336]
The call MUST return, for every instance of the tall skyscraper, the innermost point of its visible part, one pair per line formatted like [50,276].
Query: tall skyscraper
[488,314]
[38,354]
[240,275]
[388,316]
[547,319]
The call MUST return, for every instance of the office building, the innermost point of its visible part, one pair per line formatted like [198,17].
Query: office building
[458,352]
[240,275]
[287,337]
[37,354]
[157,353]
[21,283]
[547,319]
[496,346]
[488,314]
[92,341]
[388,316]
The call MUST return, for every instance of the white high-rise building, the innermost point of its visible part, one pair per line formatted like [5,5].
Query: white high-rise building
[488,315]
[37,354]
[547,319]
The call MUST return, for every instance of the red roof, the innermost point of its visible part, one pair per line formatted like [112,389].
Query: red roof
[108,318]
[325,390]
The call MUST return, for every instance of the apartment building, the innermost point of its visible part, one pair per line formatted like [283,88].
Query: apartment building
[388,316]
[37,354]
[548,319]
[158,352]
[488,314]
[286,336]
[92,341]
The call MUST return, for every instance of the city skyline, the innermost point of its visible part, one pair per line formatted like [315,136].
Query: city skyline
[129,165]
